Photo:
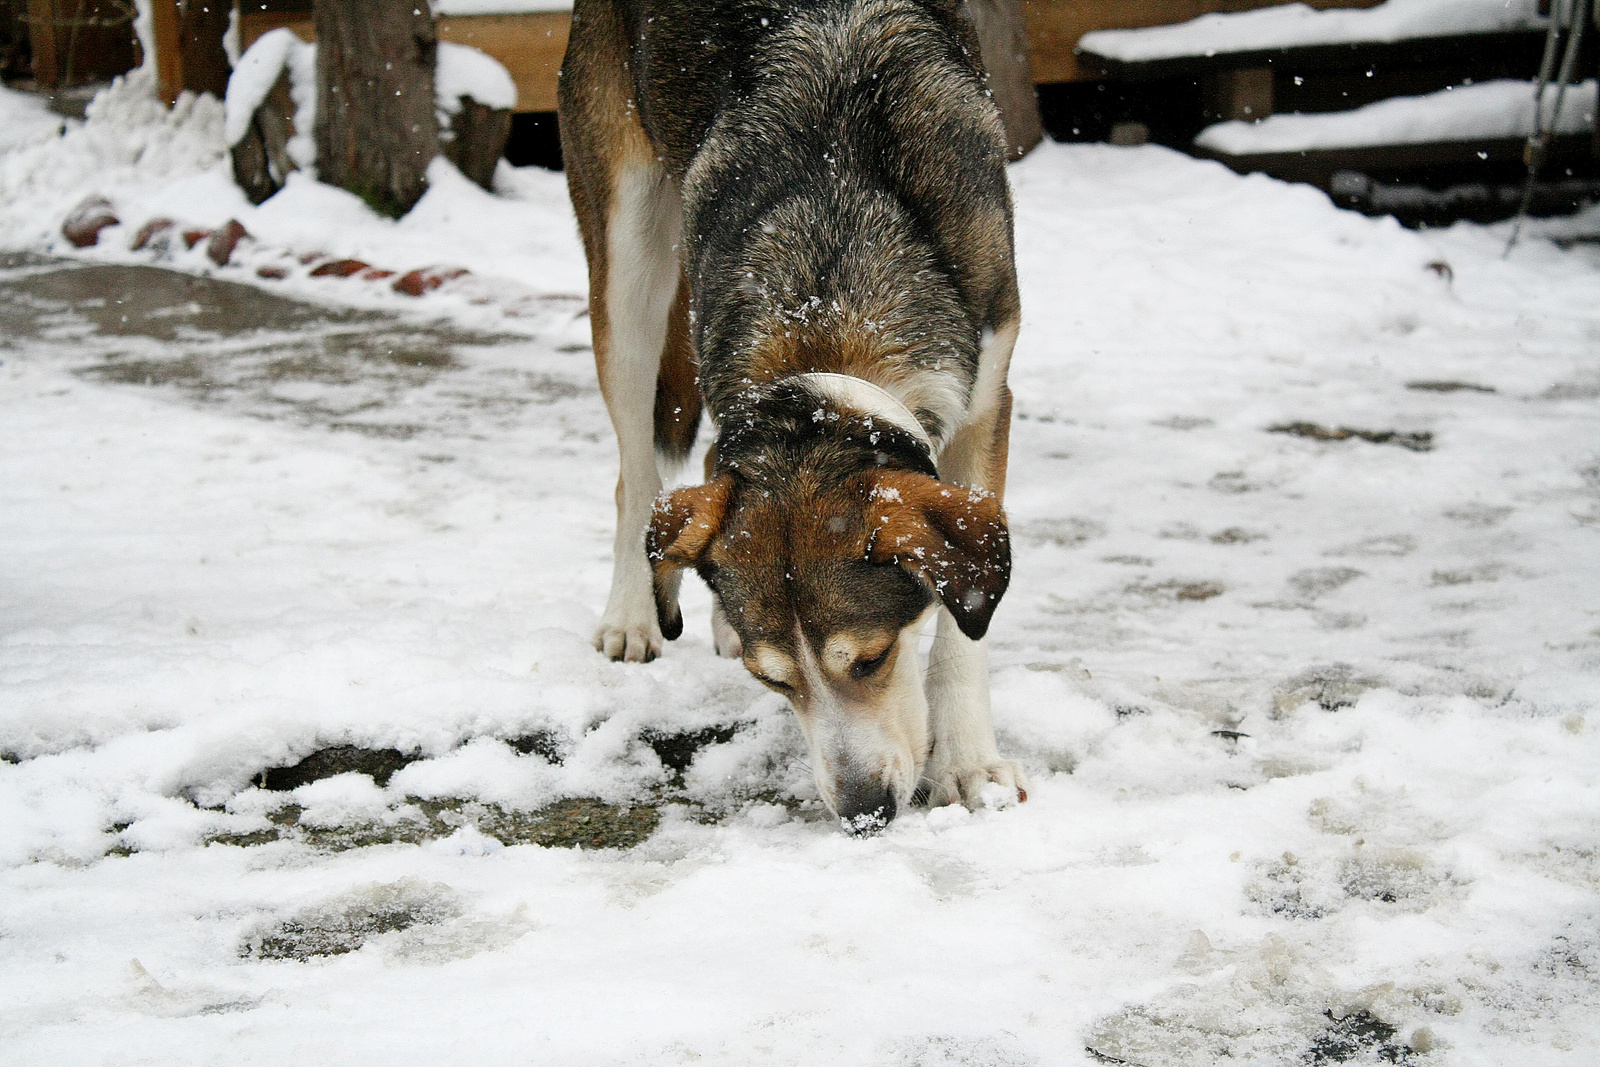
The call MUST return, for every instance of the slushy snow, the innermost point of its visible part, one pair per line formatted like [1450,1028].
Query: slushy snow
[1312,724]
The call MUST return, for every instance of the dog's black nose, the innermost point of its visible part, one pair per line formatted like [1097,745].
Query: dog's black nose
[866,811]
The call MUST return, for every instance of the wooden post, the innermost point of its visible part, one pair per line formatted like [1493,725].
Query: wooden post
[169,49]
[1004,40]
[42,34]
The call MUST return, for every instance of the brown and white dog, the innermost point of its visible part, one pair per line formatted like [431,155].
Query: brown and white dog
[796,212]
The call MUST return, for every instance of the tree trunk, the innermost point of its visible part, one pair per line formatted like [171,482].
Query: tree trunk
[1004,39]
[261,162]
[478,135]
[376,129]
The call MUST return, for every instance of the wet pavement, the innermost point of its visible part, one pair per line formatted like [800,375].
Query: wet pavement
[377,373]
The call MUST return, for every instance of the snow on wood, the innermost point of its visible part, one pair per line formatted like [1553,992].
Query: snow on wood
[464,71]
[1296,25]
[1492,110]
[252,79]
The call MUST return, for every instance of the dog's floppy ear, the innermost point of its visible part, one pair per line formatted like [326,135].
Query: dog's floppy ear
[681,528]
[952,537]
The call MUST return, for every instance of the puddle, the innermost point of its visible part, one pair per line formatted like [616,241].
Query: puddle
[374,373]
[126,301]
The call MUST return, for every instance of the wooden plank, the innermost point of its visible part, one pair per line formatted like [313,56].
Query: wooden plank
[42,35]
[1465,157]
[530,46]
[253,25]
[169,49]
[1004,41]
[1055,26]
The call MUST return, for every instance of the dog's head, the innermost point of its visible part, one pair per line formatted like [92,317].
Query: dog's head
[827,580]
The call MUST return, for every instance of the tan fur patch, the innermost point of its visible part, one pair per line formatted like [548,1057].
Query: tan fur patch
[767,662]
[954,538]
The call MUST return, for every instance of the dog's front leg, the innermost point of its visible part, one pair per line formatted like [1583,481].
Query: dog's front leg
[964,757]
[643,230]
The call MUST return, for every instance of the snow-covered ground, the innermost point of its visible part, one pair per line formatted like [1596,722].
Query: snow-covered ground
[1311,717]
[25,119]
[1490,110]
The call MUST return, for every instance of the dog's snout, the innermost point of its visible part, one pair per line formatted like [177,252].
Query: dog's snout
[867,809]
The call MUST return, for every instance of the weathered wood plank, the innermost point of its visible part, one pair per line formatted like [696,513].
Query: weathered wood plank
[1004,40]
[169,48]
[41,33]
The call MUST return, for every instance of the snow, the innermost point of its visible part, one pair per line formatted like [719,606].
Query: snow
[25,119]
[252,79]
[1297,25]
[1497,109]
[462,70]
[129,140]
[1312,725]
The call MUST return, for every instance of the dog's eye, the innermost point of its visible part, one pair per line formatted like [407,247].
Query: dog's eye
[773,683]
[868,665]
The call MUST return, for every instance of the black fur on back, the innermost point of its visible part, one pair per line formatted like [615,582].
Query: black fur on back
[843,177]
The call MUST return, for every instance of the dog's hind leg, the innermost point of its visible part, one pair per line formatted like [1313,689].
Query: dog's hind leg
[964,757]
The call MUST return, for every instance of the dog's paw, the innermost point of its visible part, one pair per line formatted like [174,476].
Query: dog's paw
[634,644]
[966,785]
[724,636]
